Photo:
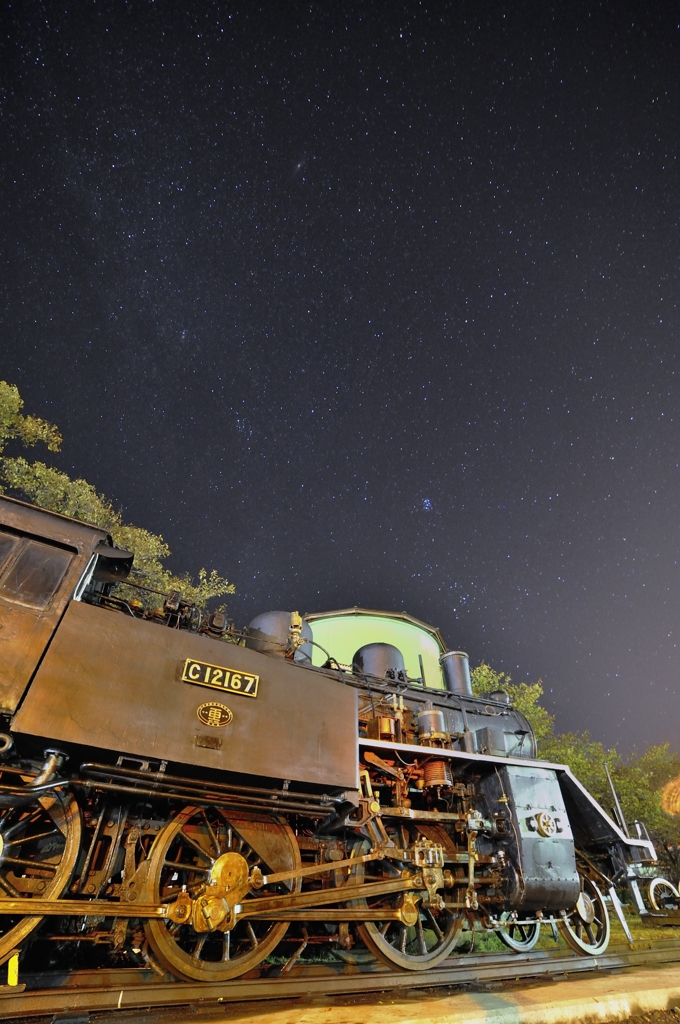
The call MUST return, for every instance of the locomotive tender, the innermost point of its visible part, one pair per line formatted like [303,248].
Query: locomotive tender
[175,794]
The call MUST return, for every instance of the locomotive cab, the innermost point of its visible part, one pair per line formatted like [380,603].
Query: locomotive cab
[42,559]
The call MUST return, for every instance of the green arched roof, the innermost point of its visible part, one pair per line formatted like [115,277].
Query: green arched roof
[344,631]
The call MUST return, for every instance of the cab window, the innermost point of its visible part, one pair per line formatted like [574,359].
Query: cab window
[36,573]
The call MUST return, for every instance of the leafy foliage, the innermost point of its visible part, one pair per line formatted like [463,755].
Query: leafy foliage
[639,780]
[27,429]
[524,696]
[54,490]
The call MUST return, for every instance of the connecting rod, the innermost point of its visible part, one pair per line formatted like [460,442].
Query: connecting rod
[260,907]
[257,879]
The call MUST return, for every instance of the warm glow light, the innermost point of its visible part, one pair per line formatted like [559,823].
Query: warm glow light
[670,797]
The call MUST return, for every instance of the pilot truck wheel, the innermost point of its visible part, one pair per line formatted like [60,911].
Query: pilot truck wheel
[586,928]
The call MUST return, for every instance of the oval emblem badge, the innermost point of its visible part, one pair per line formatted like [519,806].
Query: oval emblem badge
[215,714]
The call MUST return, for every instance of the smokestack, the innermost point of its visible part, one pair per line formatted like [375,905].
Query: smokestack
[456,668]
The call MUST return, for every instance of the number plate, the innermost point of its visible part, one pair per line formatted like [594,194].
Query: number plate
[202,674]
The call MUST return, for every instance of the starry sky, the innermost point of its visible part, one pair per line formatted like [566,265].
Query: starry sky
[370,303]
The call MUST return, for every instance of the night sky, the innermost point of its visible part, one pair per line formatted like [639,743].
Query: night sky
[374,304]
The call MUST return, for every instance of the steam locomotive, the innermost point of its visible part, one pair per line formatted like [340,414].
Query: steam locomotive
[207,802]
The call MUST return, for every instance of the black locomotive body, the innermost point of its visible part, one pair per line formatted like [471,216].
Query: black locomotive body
[175,794]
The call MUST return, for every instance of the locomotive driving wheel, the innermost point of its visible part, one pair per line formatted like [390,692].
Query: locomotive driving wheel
[586,928]
[425,937]
[199,841]
[39,845]
[518,934]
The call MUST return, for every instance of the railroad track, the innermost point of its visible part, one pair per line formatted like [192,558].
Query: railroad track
[79,993]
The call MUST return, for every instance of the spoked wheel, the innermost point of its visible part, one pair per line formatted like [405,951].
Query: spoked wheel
[410,947]
[357,955]
[182,858]
[517,934]
[39,845]
[663,895]
[586,928]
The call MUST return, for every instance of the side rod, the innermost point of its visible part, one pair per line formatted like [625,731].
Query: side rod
[294,901]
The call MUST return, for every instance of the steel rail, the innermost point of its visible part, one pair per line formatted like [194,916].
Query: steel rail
[130,989]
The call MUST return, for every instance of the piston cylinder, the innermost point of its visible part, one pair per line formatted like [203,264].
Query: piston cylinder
[456,668]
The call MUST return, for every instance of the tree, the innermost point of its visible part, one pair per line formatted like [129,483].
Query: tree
[524,696]
[54,490]
[28,429]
